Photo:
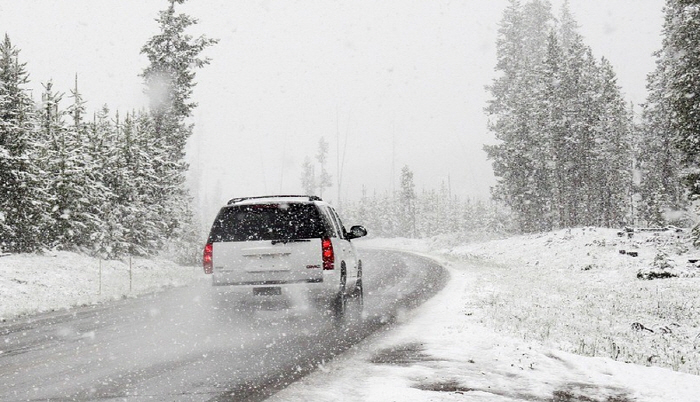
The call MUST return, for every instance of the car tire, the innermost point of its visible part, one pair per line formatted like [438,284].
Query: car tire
[340,301]
[356,302]
[359,293]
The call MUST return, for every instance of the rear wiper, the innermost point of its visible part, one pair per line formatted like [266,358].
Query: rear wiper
[285,241]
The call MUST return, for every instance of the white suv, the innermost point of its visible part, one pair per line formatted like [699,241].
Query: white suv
[284,246]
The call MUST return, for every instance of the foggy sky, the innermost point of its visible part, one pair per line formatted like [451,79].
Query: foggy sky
[398,82]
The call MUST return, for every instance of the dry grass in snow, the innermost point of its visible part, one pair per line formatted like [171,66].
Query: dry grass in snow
[575,290]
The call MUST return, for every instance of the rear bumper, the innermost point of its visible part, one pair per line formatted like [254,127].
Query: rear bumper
[313,289]
[221,282]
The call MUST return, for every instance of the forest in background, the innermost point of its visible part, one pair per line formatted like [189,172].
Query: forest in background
[569,150]
[106,185]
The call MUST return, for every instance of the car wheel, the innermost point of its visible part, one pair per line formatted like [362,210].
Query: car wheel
[359,293]
[357,298]
[340,301]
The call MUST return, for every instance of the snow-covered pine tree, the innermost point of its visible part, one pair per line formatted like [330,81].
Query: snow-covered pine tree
[519,160]
[22,203]
[389,215]
[563,158]
[563,75]
[556,128]
[72,191]
[480,213]
[173,56]
[436,213]
[591,129]
[590,133]
[579,114]
[427,215]
[681,46]
[508,165]
[658,158]
[52,159]
[362,214]
[308,177]
[144,160]
[324,178]
[88,213]
[407,203]
[468,216]
[133,222]
[612,175]
[104,140]
[670,147]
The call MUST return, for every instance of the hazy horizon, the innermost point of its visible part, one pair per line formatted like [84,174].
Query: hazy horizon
[397,83]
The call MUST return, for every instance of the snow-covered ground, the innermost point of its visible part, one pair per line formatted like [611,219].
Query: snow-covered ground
[515,309]
[518,321]
[32,283]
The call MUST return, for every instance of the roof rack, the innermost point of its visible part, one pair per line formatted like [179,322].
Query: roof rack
[310,198]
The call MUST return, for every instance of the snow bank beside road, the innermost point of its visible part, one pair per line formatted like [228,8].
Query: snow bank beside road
[501,328]
[443,351]
[31,283]
[577,291]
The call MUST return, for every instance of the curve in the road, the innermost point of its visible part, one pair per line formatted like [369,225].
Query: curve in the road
[174,346]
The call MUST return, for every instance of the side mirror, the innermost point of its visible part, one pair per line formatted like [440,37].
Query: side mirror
[357,231]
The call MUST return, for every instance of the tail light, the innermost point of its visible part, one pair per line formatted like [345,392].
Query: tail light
[327,252]
[208,258]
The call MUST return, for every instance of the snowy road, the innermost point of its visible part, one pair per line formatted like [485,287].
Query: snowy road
[174,346]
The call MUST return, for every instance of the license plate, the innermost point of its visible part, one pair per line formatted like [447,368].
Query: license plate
[275,291]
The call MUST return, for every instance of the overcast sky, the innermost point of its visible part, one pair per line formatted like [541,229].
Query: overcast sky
[399,82]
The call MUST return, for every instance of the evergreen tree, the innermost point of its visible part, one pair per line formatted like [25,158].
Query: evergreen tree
[134,225]
[74,187]
[563,158]
[556,129]
[670,141]
[434,214]
[52,159]
[681,49]
[308,177]
[388,215]
[576,143]
[104,140]
[427,214]
[173,57]
[324,179]
[91,205]
[612,175]
[568,27]
[658,159]
[518,158]
[22,203]
[407,202]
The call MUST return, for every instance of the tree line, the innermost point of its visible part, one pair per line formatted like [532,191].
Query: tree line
[426,213]
[569,151]
[104,184]
[564,152]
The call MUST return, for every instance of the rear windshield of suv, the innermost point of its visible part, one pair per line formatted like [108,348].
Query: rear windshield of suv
[268,222]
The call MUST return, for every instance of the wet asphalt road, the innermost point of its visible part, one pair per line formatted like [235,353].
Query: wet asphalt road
[175,346]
